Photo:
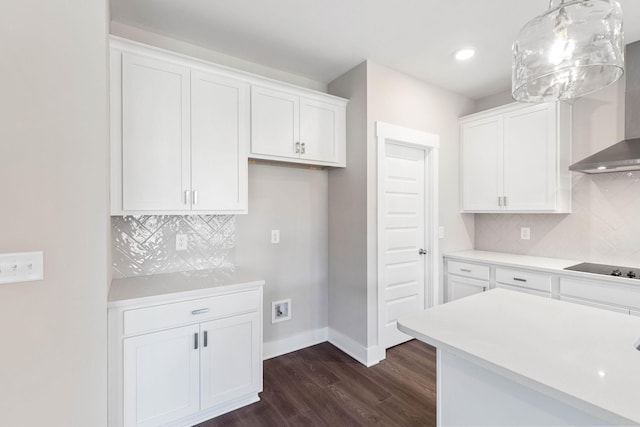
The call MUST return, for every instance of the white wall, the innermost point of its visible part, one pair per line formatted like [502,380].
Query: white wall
[294,201]
[164,42]
[348,215]
[603,227]
[405,101]
[381,94]
[53,166]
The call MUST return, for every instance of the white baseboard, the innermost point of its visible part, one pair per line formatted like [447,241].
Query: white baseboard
[368,356]
[296,342]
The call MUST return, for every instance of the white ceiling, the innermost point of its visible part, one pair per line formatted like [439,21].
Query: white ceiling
[322,39]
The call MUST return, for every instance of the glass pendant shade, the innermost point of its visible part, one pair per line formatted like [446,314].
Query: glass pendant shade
[573,49]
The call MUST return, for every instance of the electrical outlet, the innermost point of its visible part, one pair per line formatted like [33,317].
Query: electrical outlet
[181,242]
[441,232]
[281,310]
[275,236]
[525,233]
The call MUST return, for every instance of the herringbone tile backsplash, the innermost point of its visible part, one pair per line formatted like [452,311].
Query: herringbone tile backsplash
[143,245]
[603,228]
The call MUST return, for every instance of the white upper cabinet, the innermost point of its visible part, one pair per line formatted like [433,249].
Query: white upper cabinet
[155,134]
[184,137]
[275,122]
[516,159]
[219,141]
[291,127]
[182,129]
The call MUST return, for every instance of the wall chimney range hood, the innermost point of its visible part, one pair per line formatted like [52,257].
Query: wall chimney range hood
[625,155]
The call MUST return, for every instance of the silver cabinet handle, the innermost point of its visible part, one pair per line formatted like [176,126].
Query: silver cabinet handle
[303,148]
[499,201]
[195,197]
[517,279]
[205,339]
[466,270]
[199,311]
[298,147]
[505,201]
[186,197]
[195,341]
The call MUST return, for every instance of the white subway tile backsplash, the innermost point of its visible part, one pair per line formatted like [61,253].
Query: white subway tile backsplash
[143,245]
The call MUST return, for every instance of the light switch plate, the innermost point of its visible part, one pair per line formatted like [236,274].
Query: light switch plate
[275,236]
[441,232]
[21,267]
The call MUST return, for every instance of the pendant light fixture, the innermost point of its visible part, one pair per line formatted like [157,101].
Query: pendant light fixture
[573,49]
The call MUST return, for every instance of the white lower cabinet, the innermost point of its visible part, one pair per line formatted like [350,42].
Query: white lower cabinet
[619,298]
[464,279]
[183,362]
[460,287]
[524,290]
[161,377]
[523,281]
[230,361]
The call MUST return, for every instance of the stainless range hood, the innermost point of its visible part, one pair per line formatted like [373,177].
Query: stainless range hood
[625,155]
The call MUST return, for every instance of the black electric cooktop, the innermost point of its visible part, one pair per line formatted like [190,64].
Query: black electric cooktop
[608,270]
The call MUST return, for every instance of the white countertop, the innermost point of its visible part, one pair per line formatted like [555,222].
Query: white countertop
[513,260]
[583,356]
[549,265]
[191,284]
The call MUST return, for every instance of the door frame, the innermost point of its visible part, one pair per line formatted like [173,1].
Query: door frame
[429,143]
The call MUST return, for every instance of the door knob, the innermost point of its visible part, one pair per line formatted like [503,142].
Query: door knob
[422,251]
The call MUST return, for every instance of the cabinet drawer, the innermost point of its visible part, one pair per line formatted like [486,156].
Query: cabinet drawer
[186,312]
[474,271]
[525,279]
[595,304]
[524,290]
[606,293]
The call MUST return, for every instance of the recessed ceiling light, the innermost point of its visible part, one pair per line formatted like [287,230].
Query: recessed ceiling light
[464,54]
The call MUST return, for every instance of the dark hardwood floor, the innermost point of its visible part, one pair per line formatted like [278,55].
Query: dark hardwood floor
[322,386]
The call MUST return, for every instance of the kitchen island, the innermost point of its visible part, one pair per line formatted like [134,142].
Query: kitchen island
[507,358]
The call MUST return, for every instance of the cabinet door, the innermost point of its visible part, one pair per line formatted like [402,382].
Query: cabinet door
[231,360]
[460,287]
[219,143]
[161,377]
[155,134]
[482,164]
[275,121]
[530,175]
[320,130]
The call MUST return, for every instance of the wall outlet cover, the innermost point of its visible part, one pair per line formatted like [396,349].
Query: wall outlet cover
[181,242]
[525,233]
[275,236]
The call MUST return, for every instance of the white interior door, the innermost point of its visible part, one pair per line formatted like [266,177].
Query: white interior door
[403,279]
[407,224]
